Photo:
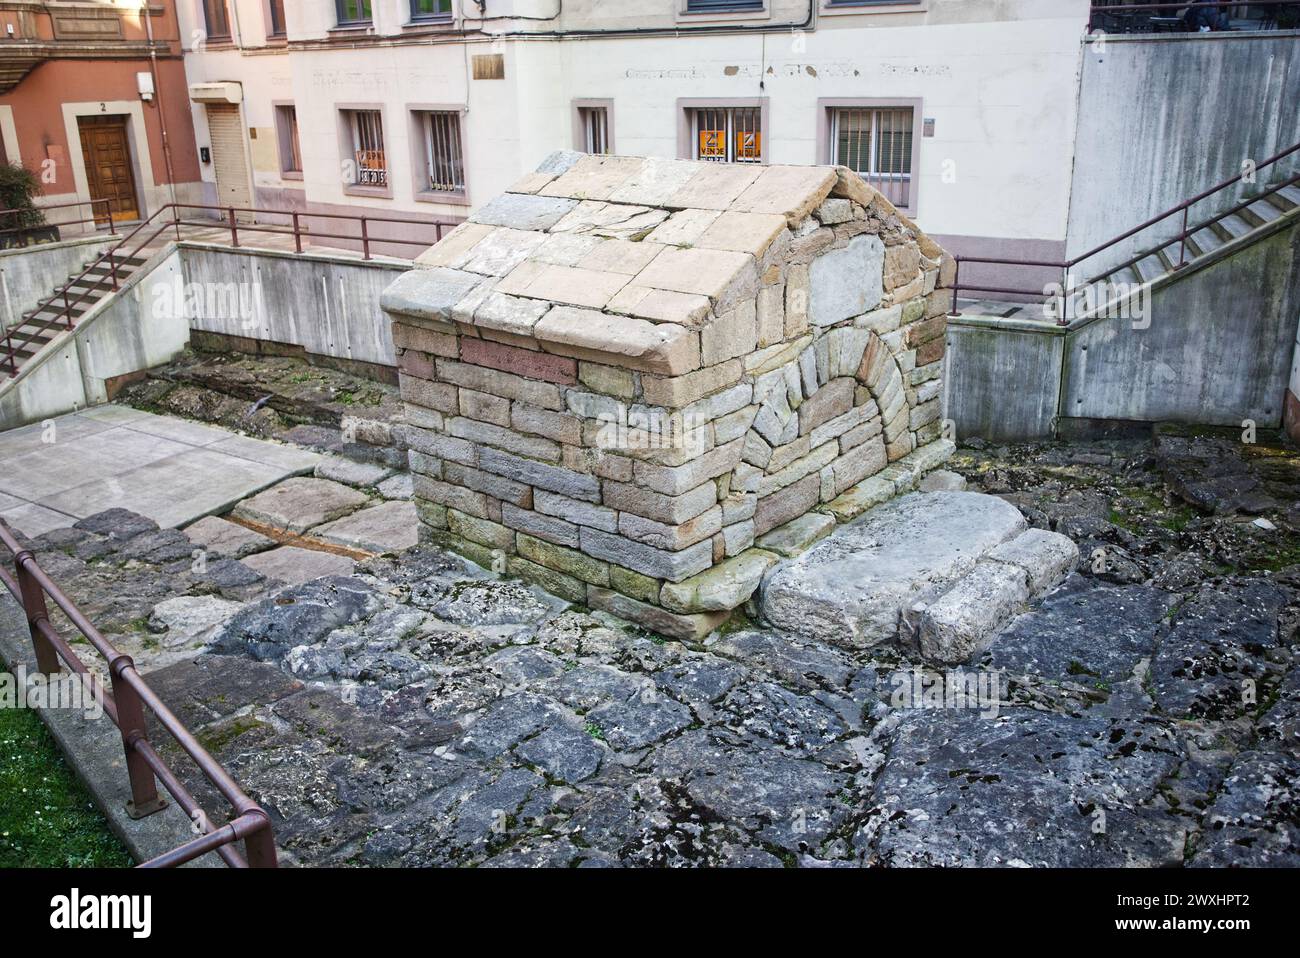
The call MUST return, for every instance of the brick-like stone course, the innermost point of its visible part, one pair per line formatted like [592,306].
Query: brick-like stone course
[619,387]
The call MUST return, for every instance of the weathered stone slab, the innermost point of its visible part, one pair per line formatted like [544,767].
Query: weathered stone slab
[846,282]
[1046,557]
[723,587]
[523,211]
[226,538]
[294,566]
[964,619]
[796,536]
[851,588]
[298,504]
[428,294]
[388,527]
[350,472]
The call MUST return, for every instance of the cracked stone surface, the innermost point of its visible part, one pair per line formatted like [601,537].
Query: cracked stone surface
[420,711]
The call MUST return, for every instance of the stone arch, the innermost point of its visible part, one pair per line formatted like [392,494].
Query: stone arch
[843,380]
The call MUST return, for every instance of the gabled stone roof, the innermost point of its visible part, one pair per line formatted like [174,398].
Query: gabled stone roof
[621,258]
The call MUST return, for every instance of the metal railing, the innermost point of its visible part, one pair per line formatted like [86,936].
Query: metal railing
[1181,237]
[111,262]
[1165,17]
[125,707]
[17,215]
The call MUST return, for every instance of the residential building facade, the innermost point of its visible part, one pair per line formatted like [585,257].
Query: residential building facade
[426,108]
[92,100]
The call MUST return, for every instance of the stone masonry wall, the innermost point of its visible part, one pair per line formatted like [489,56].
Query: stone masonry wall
[642,406]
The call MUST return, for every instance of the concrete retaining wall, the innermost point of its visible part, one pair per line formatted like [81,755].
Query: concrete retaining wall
[123,334]
[1219,349]
[1162,118]
[27,275]
[326,305]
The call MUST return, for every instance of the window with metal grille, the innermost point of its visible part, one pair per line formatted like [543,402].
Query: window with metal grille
[727,134]
[444,156]
[876,142]
[367,129]
[216,21]
[286,118]
[595,128]
[275,18]
[352,12]
[430,9]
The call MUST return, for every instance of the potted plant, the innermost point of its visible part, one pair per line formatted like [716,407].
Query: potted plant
[22,223]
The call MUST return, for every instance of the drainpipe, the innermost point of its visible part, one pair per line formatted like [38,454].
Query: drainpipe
[157,94]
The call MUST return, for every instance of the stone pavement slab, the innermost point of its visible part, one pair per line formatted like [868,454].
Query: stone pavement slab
[389,527]
[172,491]
[227,538]
[172,470]
[294,566]
[298,504]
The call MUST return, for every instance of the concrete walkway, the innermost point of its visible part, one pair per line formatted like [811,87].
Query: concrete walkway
[172,470]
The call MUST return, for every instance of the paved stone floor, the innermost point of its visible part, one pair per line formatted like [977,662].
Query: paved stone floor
[170,470]
[419,711]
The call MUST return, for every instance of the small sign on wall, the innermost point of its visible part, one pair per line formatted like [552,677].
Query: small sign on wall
[927,126]
[489,66]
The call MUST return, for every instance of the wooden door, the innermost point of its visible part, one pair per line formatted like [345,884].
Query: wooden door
[230,158]
[107,156]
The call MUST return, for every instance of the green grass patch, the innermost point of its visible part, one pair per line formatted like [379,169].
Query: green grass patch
[47,818]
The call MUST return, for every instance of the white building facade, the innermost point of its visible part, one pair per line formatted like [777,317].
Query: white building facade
[962,111]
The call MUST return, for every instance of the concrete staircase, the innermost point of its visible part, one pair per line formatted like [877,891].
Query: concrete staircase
[59,312]
[1216,237]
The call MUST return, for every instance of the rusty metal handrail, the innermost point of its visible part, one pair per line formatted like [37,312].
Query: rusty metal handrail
[1097,10]
[97,220]
[113,254]
[125,707]
[1180,237]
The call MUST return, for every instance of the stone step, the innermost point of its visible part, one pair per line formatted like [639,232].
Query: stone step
[943,571]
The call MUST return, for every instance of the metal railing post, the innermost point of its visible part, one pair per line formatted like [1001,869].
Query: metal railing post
[956,282]
[112,267]
[1182,244]
[297,236]
[365,240]
[145,799]
[47,660]
[259,847]
[67,306]
[234,233]
[108,211]
[9,353]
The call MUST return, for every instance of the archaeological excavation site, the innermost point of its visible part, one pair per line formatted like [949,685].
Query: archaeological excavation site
[773,496]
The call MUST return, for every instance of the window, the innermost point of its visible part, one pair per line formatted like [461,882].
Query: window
[727,134]
[430,9]
[367,131]
[593,126]
[275,18]
[877,143]
[722,6]
[215,20]
[286,124]
[444,157]
[353,12]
